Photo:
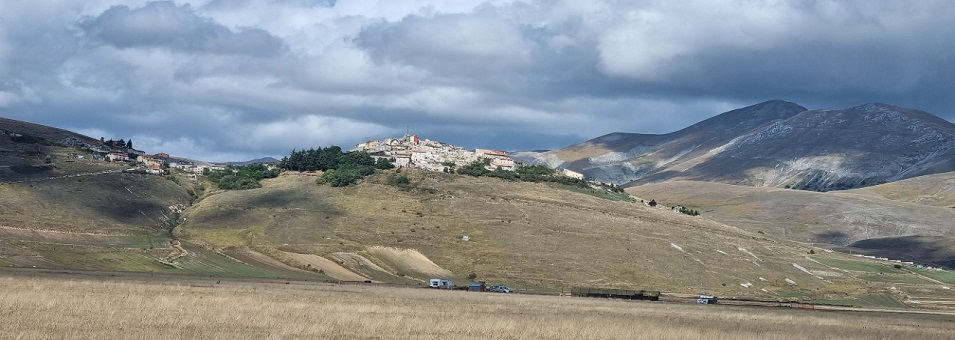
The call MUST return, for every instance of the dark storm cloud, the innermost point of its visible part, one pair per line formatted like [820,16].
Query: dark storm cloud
[163,24]
[241,79]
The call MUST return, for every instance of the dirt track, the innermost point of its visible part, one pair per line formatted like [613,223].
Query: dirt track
[210,281]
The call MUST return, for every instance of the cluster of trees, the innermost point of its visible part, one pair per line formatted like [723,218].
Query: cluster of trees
[242,177]
[121,144]
[526,173]
[341,168]
[685,210]
[324,159]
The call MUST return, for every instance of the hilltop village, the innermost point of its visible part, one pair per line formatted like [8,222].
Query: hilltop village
[404,152]
[123,151]
[412,151]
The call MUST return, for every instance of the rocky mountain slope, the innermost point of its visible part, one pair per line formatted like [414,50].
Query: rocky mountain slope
[773,144]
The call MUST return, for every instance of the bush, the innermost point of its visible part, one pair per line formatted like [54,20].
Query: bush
[690,212]
[345,176]
[243,177]
[384,164]
[399,181]
[238,183]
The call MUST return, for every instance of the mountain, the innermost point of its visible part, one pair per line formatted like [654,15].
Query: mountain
[773,144]
[255,161]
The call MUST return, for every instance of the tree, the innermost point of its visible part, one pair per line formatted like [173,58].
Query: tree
[345,176]
[244,177]
[129,144]
[384,164]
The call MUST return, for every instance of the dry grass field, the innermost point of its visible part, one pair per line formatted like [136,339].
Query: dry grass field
[527,235]
[936,190]
[838,217]
[67,307]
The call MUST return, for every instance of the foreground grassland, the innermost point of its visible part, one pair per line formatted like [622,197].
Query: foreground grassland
[69,307]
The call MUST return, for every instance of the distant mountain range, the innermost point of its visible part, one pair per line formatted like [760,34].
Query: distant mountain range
[255,161]
[772,144]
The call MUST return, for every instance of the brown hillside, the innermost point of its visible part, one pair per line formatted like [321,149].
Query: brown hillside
[524,234]
[832,217]
[936,190]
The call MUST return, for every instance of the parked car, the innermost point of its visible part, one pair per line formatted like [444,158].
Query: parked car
[500,289]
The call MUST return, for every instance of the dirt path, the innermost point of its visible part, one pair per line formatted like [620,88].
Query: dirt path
[177,253]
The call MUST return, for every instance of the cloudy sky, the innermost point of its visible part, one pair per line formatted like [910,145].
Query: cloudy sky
[239,79]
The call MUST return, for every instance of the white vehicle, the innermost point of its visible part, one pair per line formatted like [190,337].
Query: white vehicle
[500,289]
[441,283]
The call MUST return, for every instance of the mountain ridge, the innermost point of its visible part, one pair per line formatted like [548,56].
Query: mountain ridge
[774,143]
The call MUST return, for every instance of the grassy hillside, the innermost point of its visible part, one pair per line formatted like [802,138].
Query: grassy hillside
[36,154]
[531,236]
[833,217]
[935,190]
[105,203]
[74,213]
[891,220]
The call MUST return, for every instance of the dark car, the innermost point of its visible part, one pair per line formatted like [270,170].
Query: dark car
[500,289]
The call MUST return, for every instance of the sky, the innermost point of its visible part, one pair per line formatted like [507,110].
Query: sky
[233,80]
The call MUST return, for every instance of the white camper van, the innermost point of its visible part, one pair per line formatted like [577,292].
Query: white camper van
[440,283]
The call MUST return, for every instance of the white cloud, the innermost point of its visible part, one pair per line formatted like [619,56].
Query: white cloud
[8,99]
[216,78]
[307,130]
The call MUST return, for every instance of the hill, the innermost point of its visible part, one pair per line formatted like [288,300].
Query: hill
[28,150]
[854,218]
[935,190]
[523,234]
[36,130]
[255,161]
[88,215]
[774,144]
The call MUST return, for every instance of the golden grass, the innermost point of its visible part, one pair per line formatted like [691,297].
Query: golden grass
[527,235]
[194,308]
[803,215]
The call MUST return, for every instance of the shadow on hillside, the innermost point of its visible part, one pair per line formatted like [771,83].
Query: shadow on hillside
[831,237]
[128,200]
[931,250]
